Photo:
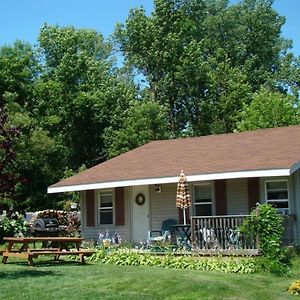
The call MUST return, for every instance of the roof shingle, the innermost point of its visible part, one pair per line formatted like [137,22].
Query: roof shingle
[276,148]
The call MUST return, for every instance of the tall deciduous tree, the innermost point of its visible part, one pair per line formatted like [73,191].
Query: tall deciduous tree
[203,59]
[79,93]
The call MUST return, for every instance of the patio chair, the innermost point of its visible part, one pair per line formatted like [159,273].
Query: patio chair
[163,234]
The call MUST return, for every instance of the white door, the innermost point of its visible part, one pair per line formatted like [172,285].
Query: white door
[140,213]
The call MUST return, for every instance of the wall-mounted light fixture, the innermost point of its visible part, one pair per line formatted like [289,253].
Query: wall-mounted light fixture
[157,188]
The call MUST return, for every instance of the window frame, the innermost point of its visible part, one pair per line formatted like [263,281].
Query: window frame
[99,209]
[211,202]
[279,200]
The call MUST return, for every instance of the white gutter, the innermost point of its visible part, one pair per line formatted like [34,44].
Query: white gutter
[162,180]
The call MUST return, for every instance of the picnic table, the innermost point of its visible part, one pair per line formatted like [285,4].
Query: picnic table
[21,247]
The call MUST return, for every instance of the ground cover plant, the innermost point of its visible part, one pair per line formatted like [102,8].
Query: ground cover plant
[70,280]
[130,257]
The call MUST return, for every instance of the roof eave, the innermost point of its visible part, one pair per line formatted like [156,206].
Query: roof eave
[164,180]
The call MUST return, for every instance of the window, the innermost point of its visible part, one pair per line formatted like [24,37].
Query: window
[202,200]
[106,208]
[277,194]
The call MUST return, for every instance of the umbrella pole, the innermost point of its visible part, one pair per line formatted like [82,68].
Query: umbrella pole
[184,217]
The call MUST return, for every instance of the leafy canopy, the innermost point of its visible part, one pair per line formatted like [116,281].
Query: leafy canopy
[203,59]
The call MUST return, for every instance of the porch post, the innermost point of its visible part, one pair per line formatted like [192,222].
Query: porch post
[221,197]
[253,193]
[90,208]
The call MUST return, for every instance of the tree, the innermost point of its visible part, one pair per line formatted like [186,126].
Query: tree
[61,96]
[203,59]
[79,93]
[17,71]
[8,175]
[269,109]
[34,159]
[146,121]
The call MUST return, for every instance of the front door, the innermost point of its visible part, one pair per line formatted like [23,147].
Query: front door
[140,212]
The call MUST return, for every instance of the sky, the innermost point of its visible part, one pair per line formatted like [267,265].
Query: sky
[22,19]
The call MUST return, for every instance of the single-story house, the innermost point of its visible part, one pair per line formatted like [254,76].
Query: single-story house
[227,174]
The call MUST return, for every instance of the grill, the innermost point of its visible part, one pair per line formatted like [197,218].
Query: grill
[45,227]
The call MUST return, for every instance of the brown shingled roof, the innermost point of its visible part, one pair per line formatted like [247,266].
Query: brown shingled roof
[276,148]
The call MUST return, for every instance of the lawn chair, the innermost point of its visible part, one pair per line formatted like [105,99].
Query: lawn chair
[162,235]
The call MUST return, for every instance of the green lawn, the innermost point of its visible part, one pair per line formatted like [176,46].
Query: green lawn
[70,280]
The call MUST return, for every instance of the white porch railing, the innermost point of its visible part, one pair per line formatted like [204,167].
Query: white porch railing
[221,234]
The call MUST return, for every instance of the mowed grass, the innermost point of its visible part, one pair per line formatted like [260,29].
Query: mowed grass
[70,280]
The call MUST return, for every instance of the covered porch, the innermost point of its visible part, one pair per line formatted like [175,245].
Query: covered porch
[219,208]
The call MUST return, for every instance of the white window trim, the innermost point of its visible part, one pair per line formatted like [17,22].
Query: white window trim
[105,192]
[279,200]
[203,203]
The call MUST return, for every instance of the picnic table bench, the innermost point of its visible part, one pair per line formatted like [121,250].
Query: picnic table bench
[20,247]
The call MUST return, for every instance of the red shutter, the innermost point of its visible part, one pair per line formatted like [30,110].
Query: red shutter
[119,204]
[221,197]
[253,192]
[90,208]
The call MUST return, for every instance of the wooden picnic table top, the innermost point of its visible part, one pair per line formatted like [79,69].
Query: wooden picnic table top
[47,238]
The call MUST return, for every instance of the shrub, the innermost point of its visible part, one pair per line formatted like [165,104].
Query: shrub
[12,224]
[294,288]
[265,223]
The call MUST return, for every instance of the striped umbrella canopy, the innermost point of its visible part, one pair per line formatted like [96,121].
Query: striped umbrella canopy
[183,197]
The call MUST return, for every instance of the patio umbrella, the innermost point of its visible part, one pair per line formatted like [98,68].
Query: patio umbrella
[183,198]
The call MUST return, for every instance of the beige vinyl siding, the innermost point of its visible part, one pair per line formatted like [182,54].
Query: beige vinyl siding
[237,196]
[162,205]
[91,233]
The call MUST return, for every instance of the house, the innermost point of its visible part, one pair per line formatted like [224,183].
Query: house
[227,174]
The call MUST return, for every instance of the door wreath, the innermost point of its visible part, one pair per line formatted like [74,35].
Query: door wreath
[140,199]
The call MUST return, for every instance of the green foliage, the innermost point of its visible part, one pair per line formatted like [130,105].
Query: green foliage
[294,288]
[80,94]
[62,96]
[133,258]
[12,225]
[146,121]
[8,174]
[266,224]
[202,60]
[269,109]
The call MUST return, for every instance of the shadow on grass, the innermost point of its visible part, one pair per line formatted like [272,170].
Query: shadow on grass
[47,263]
[57,263]
[16,274]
